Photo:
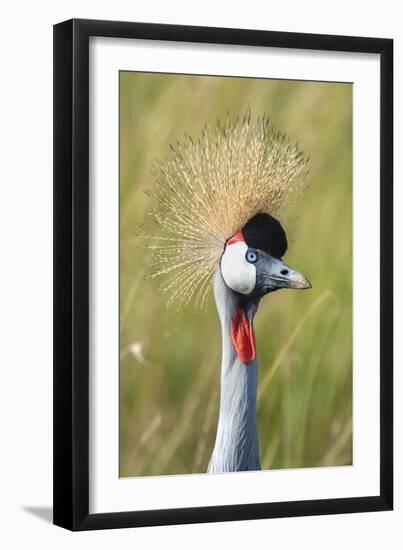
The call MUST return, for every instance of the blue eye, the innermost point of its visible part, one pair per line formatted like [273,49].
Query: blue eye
[252,256]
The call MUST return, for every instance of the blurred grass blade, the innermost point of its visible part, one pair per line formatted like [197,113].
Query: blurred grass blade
[287,346]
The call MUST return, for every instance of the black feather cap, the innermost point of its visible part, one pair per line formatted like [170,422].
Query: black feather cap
[265,233]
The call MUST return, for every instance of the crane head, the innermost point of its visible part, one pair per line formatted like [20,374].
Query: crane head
[205,192]
[252,263]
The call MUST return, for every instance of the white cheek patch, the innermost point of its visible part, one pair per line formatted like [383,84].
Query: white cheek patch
[237,272]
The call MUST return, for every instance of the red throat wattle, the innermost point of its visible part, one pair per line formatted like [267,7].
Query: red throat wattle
[243,337]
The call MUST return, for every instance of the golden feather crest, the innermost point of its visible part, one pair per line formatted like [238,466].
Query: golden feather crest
[207,190]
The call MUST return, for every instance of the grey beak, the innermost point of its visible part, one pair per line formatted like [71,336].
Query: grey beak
[297,280]
[283,276]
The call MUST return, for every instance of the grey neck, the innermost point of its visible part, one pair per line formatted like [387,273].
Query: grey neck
[236,446]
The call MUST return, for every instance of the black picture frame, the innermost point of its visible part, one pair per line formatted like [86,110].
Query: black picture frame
[71,273]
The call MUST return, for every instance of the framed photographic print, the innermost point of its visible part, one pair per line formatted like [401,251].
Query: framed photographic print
[203,177]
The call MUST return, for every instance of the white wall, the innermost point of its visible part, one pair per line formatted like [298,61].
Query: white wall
[25,272]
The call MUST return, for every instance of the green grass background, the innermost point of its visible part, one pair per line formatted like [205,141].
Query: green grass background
[170,360]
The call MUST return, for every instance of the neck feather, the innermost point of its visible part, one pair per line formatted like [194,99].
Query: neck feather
[236,447]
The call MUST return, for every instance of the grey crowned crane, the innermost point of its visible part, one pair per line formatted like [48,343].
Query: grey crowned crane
[214,205]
